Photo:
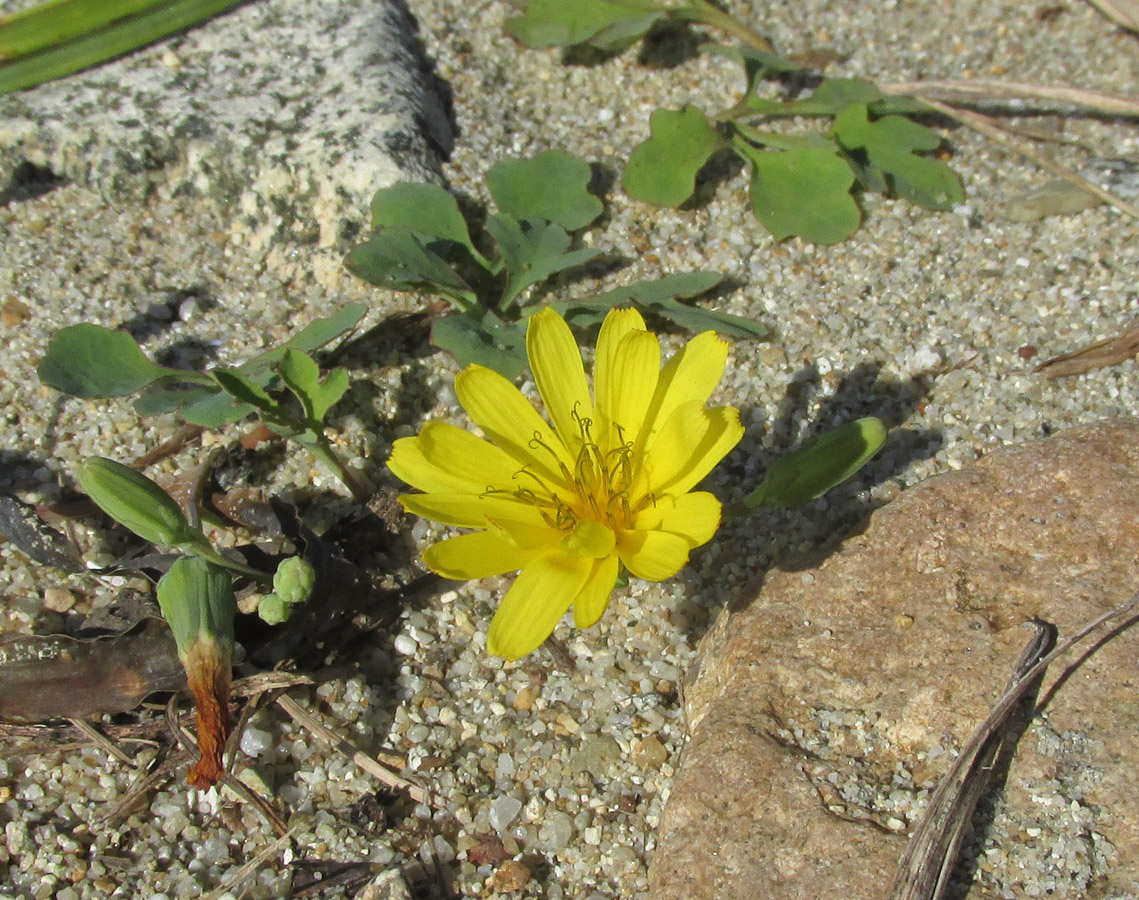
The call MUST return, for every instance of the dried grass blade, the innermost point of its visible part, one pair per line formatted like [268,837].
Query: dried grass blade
[1097,355]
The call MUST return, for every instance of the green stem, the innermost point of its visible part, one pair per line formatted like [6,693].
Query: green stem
[204,549]
[704,12]
[361,491]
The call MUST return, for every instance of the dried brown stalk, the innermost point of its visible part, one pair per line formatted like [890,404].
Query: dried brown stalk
[1097,355]
[992,130]
[1121,12]
[358,756]
[984,91]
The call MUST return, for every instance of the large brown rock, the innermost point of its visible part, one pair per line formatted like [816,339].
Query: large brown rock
[824,709]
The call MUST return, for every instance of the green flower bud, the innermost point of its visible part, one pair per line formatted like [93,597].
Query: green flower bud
[294,579]
[129,497]
[829,460]
[273,610]
[196,598]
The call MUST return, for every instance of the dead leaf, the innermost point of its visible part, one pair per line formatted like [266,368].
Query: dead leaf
[36,539]
[55,676]
[1099,355]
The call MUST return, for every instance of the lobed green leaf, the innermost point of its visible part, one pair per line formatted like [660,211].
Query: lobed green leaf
[479,336]
[757,64]
[830,98]
[554,185]
[663,169]
[662,298]
[301,375]
[531,252]
[426,209]
[556,23]
[890,145]
[805,193]
[398,259]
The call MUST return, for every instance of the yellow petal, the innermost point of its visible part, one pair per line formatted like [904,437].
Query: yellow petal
[687,447]
[652,555]
[694,517]
[511,421]
[477,555]
[471,510]
[539,597]
[555,361]
[618,324]
[444,458]
[688,377]
[594,597]
[625,382]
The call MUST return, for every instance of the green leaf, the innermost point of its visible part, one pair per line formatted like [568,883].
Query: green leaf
[557,23]
[810,472]
[891,144]
[425,209]
[313,336]
[803,192]
[479,336]
[248,392]
[619,35]
[757,64]
[830,98]
[397,259]
[553,185]
[211,411]
[531,252]
[663,169]
[661,298]
[196,598]
[696,318]
[73,34]
[92,361]
[301,375]
[212,408]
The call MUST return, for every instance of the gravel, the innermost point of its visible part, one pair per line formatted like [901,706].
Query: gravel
[922,317]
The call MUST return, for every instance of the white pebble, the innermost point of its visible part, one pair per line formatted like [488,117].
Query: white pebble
[503,811]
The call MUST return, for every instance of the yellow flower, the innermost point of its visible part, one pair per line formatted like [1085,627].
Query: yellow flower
[608,485]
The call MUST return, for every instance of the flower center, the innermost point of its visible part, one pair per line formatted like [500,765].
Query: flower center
[600,481]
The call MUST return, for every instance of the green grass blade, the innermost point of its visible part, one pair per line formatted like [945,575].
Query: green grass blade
[121,36]
[58,21]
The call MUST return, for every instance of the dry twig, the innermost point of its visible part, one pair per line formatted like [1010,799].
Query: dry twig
[1097,355]
[992,130]
[358,756]
[232,881]
[980,90]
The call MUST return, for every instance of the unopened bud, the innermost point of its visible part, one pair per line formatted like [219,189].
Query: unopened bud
[294,580]
[132,499]
[196,597]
